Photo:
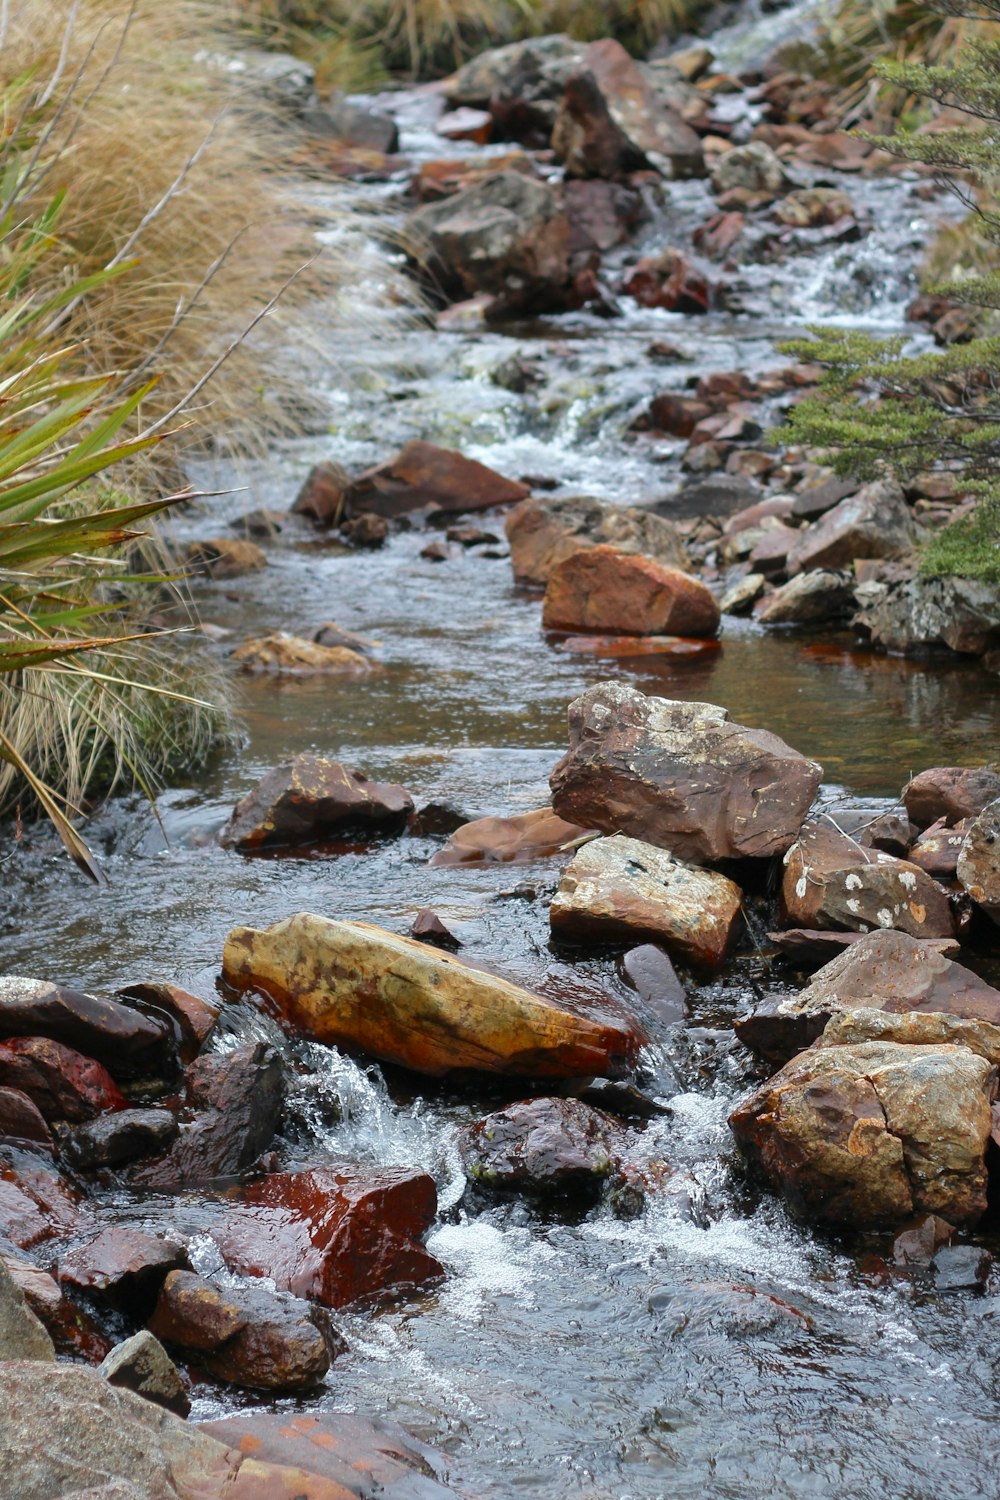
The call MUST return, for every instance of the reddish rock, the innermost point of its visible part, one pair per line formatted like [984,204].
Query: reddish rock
[674,414]
[917,1243]
[225,557]
[424,474]
[669,280]
[831,881]
[543,532]
[335,1235]
[875,522]
[517,840]
[612,121]
[22,1123]
[428,928]
[680,775]
[61,1083]
[951,793]
[123,1266]
[465,124]
[128,1043]
[36,1205]
[192,1017]
[310,798]
[544,1146]
[938,848]
[717,236]
[321,497]
[890,832]
[368,531]
[442,179]
[607,590]
[601,214]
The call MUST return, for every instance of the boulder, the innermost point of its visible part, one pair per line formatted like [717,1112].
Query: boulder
[544,1147]
[601,215]
[913,1028]
[809,208]
[237,1099]
[830,880]
[668,280]
[22,1122]
[22,1336]
[245,1336]
[334,1235]
[612,121]
[60,1082]
[284,655]
[754,168]
[979,861]
[606,590]
[353,984]
[141,1364]
[311,798]
[740,597]
[680,775]
[225,557]
[886,971]
[128,1043]
[506,236]
[543,532]
[321,497]
[865,1136]
[520,84]
[122,1266]
[517,840]
[875,522]
[424,474]
[617,889]
[114,1139]
[809,599]
[920,615]
[950,792]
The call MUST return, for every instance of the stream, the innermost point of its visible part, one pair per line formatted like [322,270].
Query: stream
[711,1347]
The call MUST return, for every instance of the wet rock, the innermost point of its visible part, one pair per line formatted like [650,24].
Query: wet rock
[355,125]
[367,531]
[122,1266]
[831,881]
[321,497]
[465,124]
[753,167]
[22,1123]
[876,522]
[961,1268]
[60,1082]
[435,552]
[225,557]
[811,207]
[436,820]
[114,1139]
[809,599]
[867,1135]
[245,1336]
[611,121]
[335,1235]
[916,1244]
[979,861]
[129,1044]
[889,971]
[311,798]
[332,634]
[606,590]
[424,474]
[356,985]
[809,947]
[601,215]
[544,1146]
[428,927]
[358,1456]
[141,1364]
[616,889]
[192,1017]
[518,840]
[681,775]
[668,280]
[938,848]
[507,236]
[950,792]
[36,1204]
[22,1336]
[238,1097]
[543,532]
[648,970]
[291,656]
[917,615]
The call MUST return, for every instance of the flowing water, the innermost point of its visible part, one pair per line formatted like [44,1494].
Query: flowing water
[711,1347]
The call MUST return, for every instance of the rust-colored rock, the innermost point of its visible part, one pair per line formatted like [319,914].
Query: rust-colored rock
[680,775]
[516,840]
[367,531]
[37,1204]
[192,1017]
[128,1043]
[123,1266]
[424,474]
[543,532]
[335,1235]
[60,1082]
[310,798]
[950,792]
[225,557]
[544,1146]
[670,281]
[938,848]
[607,590]
[285,655]
[979,861]
[619,889]
[356,985]
[321,497]
[876,522]
[831,881]
[865,1136]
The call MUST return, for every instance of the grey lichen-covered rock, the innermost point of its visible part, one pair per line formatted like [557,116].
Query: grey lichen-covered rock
[141,1364]
[830,880]
[618,888]
[979,861]
[810,598]
[754,167]
[22,1336]
[921,614]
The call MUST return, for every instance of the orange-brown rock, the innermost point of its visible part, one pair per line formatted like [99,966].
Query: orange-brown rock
[292,656]
[544,531]
[515,840]
[225,557]
[831,881]
[310,798]
[603,589]
[321,497]
[424,474]
[352,984]
[952,793]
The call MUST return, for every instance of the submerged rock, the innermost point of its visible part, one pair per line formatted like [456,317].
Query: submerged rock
[543,532]
[680,775]
[517,840]
[606,590]
[617,889]
[544,1146]
[864,1136]
[356,985]
[830,880]
[291,656]
[310,798]
[979,861]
